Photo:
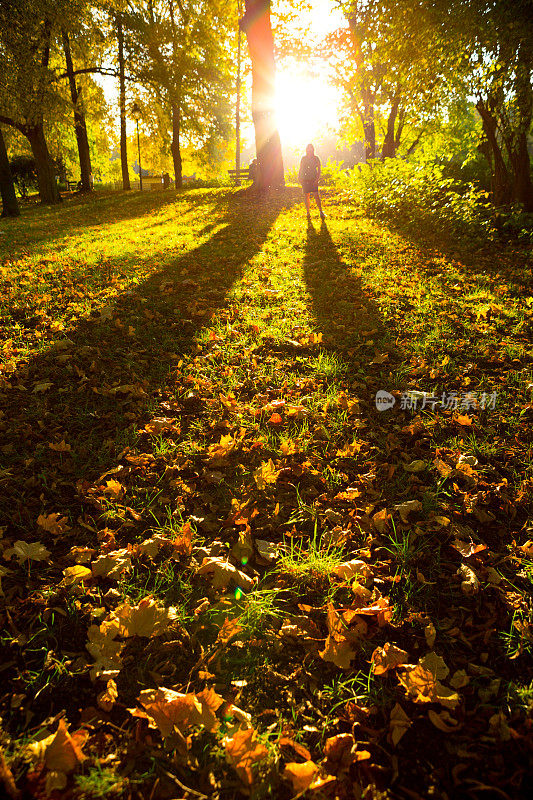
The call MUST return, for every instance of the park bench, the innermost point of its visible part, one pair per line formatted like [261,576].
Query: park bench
[238,175]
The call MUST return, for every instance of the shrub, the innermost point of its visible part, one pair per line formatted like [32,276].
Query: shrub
[419,195]
[24,172]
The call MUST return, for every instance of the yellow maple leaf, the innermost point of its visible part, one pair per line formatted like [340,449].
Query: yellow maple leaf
[266,474]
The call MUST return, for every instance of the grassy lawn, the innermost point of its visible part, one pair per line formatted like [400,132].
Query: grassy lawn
[225,572]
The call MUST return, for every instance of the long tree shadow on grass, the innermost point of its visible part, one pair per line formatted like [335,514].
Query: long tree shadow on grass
[111,370]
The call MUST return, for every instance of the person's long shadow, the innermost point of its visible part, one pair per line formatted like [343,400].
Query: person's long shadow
[112,369]
[347,317]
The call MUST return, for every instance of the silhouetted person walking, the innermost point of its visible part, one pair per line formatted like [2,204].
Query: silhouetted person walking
[309,175]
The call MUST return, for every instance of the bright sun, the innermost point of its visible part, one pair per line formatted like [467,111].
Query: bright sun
[306,107]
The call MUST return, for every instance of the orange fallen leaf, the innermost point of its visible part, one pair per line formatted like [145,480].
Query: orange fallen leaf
[53,523]
[387,657]
[61,751]
[305,776]
[243,751]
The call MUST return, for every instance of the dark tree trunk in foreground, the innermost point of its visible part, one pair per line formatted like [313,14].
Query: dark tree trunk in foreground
[122,91]
[10,206]
[79,120]
[256,24]
[46,177]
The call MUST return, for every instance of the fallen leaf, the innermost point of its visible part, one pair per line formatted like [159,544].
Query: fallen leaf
[340,752]
[243,751]
[60,751]
[422,686]
[106,699]
[60,447]
[409,507]
[27,551]
[222,573]
[305,776]
[415,466]
[350,450]
[74,575]
[42,387]
[470,583]
[387,657]
[53,523]
[443,721]
[380,520]
[159,425]
[467,549]
[169,710]
[266,474]
[436,665]
[352,569]
[268,551]
[430,633]
[113,489]
[339,648]
[112,565]
[218,453]
[105,650]
[146,619]
[399,723]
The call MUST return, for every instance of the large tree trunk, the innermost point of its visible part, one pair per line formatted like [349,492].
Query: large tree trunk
[10,206]
[175,146]
[389,143]
[256,24]
[122,93]
[79,120]
[501,184]
[46,178]
[521,165]
[175,105]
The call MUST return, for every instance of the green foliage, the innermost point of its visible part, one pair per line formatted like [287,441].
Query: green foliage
[418,194]
[24,173]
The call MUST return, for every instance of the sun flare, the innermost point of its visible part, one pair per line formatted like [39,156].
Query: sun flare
[306,106]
